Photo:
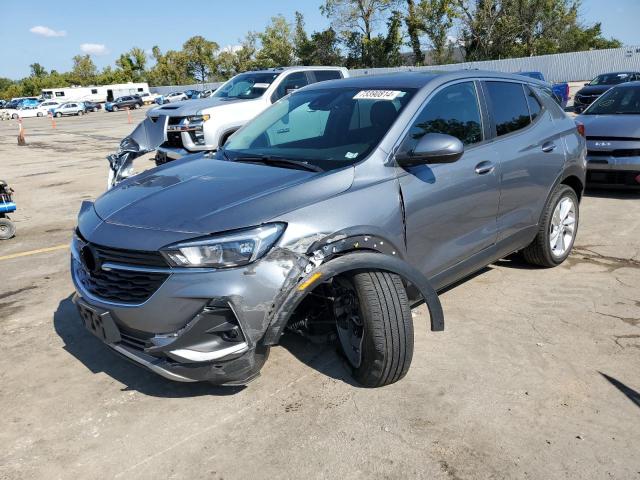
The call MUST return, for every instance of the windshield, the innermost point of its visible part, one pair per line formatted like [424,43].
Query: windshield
[617,101]
[328,128]
[611,79]
[246,85]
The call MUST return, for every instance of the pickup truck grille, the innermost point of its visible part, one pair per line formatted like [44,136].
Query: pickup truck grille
[174,140]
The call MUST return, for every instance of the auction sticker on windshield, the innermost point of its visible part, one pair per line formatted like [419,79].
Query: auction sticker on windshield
[377,95]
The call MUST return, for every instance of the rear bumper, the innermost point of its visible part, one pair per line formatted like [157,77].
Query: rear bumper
[610,163]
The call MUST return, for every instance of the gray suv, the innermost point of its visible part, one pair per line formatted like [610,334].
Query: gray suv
[331,214]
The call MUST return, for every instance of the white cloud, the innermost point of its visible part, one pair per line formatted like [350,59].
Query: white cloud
[47,32]
[94,48]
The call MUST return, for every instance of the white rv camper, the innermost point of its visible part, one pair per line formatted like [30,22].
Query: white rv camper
[103,93]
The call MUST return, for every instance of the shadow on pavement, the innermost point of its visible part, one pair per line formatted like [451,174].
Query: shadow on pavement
[629,392]
[97,357]
[324,358]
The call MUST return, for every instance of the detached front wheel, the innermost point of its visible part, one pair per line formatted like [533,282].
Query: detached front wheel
[374,325]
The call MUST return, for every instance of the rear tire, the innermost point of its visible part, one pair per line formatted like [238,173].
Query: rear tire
[14,116]
[136,106]
[386,328]
[58,115]
[80,113]
[39,114]
[540,252]
[7,229]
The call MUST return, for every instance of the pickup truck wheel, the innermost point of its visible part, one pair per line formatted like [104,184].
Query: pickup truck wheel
[375,327]
[557,230]
[7,229]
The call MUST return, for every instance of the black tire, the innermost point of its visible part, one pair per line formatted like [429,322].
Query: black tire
[539,251]
[387,343]
[80,113]
[39,114]
[58,115]
[7,229]
[136,106]
[14,116]
[115,108]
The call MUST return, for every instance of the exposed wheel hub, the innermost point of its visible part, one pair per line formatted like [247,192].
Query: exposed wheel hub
[348,321]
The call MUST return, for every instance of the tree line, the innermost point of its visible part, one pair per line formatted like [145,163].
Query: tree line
[361,34]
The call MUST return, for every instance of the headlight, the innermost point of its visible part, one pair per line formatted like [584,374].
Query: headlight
[225,251]
[198,118]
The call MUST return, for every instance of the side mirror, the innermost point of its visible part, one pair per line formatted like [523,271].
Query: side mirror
[432,148]
[587,84]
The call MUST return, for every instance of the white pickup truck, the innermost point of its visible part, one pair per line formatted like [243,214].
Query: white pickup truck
[206,124]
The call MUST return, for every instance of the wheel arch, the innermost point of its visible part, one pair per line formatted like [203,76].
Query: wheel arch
[351,261]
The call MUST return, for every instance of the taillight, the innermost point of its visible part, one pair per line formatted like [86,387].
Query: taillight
[580,128]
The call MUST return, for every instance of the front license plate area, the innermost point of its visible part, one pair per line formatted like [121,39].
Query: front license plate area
[100,324]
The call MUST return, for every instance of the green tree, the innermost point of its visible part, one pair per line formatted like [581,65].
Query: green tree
[385,50]
[436,20]
[37,70]
[356,20]
[515,28]
[414,30]
[321,49]
[200,56]
[276,44]
[170,68]
[133,64]
[83,71]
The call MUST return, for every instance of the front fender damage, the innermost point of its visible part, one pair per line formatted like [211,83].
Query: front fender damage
[344,253]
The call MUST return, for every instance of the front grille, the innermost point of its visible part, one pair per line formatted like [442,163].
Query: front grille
[174,139]
[606,177]
[632,152]
[122,286]
[130,257]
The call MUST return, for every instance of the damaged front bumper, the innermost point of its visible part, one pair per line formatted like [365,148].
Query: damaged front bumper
[185,325]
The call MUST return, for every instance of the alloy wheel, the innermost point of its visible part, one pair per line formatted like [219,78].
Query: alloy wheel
[563,226]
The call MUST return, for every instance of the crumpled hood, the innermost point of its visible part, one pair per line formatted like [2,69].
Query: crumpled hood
[191,107]
[622,126]
[202,195]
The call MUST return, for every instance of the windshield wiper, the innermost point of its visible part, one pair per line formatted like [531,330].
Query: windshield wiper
[269,160]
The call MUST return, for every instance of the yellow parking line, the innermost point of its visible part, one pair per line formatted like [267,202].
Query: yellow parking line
[34,252]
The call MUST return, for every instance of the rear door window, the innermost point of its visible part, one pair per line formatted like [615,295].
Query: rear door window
[291,82]
[508,105]
[322,75]
[452,111]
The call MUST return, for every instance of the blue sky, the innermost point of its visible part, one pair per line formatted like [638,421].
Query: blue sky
[108,30]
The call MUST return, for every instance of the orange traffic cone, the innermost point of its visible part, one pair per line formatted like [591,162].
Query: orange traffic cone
[53,121]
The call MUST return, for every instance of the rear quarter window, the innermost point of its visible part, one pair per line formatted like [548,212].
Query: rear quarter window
[508,106]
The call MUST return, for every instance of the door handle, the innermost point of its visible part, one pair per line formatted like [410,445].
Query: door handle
[548,147]
[484,167]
